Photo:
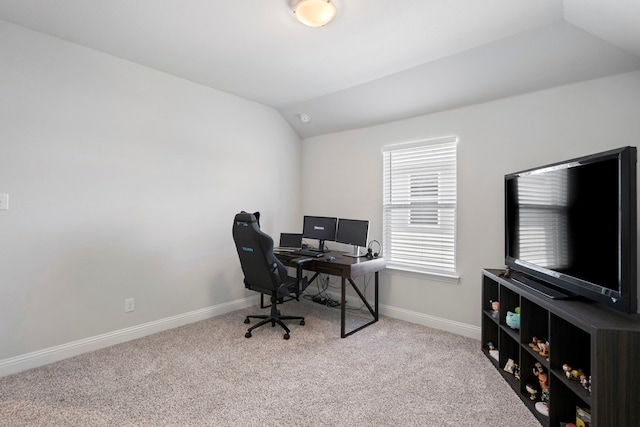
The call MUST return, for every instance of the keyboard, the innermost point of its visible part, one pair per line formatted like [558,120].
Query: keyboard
[309,253]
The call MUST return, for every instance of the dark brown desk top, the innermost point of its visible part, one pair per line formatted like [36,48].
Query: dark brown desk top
[341,265]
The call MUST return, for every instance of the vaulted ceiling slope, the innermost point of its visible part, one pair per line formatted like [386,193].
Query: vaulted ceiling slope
[377,61]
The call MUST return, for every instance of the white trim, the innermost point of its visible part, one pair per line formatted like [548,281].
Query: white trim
[455,279]
[459,328]
[420,143]
[53,354]
[464,329]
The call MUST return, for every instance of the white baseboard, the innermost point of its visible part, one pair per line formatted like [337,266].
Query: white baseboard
[53,354]
[447,325]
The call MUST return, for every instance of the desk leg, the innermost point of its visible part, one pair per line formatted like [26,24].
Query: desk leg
[374,312]
[376,296]
[343,307]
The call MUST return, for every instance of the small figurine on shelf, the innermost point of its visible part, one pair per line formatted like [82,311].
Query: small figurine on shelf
[516,371]
[543,408]
[543,405]
[539,372]
[578,375]
[532,391]
[583,416]
[575,374]
[534,343]
[506,273]
[585,382]
[495,309]
[509,366]
[513,319]
[544,396]
[540,346]
[493,351]
[543,347]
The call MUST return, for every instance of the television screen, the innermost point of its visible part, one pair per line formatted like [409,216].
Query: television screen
[573,225]
[320,228]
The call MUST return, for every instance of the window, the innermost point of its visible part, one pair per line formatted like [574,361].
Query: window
[419,218]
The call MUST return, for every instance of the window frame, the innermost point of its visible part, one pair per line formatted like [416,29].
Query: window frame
[429,248]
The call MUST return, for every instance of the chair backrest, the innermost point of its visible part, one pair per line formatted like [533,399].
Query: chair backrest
[262,270]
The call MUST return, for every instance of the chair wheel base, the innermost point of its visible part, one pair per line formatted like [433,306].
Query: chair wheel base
[275,318]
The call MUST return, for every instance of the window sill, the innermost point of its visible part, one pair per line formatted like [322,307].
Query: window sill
[403,271]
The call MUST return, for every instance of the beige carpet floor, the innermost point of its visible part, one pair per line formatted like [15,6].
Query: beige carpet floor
[392,373]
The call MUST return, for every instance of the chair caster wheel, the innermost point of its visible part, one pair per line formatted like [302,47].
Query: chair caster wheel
[246,320]
[247,335]
[302,323]
[286,336]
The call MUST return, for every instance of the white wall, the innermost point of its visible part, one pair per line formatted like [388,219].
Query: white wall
[123,183]
[495,138]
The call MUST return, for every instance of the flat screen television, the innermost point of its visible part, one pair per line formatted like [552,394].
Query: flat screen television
[320,228]
[353,232]
[571,227]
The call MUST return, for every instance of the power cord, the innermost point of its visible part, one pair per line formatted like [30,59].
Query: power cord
[323,297]
[323,283]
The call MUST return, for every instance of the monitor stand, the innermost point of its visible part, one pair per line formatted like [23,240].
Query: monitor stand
[356,252]
[320,247]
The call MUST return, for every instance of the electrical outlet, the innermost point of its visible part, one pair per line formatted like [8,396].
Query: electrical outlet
[4,201]
[129,305]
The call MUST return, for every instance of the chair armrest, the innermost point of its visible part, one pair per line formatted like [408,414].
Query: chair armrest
[300,262]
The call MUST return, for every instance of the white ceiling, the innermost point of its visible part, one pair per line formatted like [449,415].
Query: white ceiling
[379,60]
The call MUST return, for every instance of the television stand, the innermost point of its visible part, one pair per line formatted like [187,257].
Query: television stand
[601,341]
[541,288]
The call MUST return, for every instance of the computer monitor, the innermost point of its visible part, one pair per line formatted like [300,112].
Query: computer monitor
[353,232]
[320,228]
[290,241]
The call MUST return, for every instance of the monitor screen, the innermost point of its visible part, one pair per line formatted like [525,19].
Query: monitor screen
[291,240]
[320,228]
[353,232]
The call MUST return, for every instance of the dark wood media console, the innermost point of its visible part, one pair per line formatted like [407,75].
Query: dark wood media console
[601,341]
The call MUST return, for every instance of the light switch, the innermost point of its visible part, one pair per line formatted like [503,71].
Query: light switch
[4,201]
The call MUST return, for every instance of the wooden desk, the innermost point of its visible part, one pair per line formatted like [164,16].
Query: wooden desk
[347,268]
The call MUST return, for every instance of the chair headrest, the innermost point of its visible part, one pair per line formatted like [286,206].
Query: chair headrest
[248,218]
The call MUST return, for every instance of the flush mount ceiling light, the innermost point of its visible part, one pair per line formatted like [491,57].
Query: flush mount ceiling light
[314,13]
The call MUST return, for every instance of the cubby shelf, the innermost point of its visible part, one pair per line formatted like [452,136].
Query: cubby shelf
[585,335]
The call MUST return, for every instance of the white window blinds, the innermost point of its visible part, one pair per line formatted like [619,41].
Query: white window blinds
[419,218]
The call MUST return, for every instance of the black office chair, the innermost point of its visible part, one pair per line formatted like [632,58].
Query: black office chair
[263,272]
